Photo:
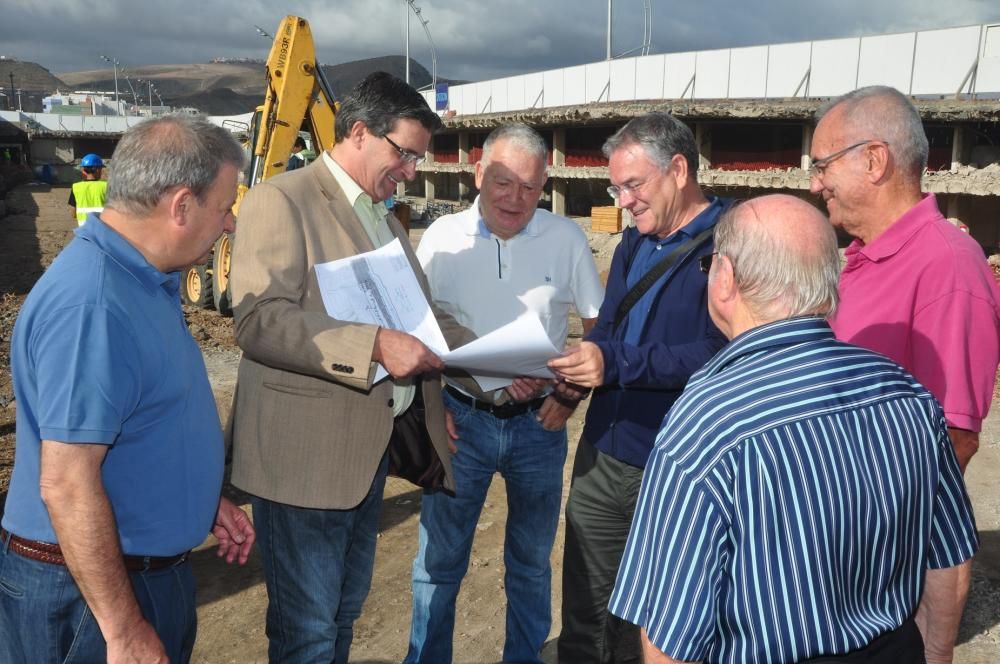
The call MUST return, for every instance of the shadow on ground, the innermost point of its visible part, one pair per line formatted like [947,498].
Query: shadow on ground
[982,609]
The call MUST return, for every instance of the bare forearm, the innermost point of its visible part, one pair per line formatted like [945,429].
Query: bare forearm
[940,610]
[85,529]
[966,444]
[653,655]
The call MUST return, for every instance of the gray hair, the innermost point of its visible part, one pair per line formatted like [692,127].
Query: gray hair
[164,153]
[773,278]
[379,100]
[662,136]
[519,135]
[883,113]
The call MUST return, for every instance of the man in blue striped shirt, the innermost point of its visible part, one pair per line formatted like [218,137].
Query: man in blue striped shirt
[803,499]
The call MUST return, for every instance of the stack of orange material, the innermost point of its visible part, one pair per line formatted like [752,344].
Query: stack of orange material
[606,219]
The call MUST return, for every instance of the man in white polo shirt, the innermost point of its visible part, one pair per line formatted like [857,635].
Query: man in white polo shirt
[486,266]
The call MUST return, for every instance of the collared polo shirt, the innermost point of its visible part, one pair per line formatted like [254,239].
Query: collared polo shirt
[486,282]
[795,497]
[373,220]
[650,252]
[101,354]
[922,294]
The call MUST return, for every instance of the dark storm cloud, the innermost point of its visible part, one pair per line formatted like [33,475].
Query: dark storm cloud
[475,39]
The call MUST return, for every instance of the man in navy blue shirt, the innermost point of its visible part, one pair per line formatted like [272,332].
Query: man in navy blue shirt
[119,457]
[638,361]
[803,499]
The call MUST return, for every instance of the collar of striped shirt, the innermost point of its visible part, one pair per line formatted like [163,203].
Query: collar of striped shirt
[800,329]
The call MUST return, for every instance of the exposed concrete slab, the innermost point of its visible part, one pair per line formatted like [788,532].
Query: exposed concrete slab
[965,180]
[937,110]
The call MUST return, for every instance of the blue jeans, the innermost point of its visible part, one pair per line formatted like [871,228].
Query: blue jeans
[530,459]
[318,570]
[44,618]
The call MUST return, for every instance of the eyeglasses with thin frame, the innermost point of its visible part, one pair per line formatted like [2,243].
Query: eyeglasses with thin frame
[615,191]
[817,167]
[408,156]
[705,262]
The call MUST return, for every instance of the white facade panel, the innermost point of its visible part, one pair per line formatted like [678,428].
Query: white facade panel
[748,72]
[428,96]
[649,71]
[678,70]
[988,75]
[943,59]
[484,96]
[598,77]
[533,86]
[834,67]
[463,99]
[499,93]
[623,79]
[575,85]
[887,60]
[712,74]
[515,93]
[787,65]
[554,84]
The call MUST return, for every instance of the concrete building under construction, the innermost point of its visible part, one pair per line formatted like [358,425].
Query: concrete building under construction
[752,112]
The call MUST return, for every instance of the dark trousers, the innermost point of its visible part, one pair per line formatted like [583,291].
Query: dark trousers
[599,510]
[903,644]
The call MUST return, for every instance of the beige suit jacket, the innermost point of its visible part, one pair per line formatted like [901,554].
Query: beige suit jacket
[308,428]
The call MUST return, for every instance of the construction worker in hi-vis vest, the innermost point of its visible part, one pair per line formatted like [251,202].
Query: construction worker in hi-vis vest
[88,194]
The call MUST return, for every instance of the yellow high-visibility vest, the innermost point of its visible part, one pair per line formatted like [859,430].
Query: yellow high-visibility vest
[89,196]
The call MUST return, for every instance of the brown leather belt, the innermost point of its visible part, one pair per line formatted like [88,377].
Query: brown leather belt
[52,554]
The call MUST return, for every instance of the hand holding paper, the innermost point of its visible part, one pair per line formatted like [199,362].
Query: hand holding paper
[403,354]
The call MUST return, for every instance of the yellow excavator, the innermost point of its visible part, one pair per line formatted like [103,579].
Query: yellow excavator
[298,99]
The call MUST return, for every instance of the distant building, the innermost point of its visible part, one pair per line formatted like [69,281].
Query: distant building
[80,103]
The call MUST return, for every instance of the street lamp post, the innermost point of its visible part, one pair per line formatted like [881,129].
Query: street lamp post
[114,64]
[406,25]
[142,82]
[423,23]
[135,97]
[19,107]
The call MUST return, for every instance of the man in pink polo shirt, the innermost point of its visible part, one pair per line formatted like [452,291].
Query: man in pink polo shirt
[915,288]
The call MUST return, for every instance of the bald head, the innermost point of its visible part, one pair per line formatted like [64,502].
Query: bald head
[882,113]
[783,257]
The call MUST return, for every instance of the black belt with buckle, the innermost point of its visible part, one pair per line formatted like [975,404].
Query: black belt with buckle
[501,412]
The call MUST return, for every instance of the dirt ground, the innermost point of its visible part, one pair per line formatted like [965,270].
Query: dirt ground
[232,600]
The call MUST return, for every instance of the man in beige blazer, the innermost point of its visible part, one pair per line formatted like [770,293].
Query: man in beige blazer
[309,426]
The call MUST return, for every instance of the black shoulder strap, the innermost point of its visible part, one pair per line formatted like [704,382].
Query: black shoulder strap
[654,274]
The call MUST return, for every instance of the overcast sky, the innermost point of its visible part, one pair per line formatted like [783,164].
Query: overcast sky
[475,39]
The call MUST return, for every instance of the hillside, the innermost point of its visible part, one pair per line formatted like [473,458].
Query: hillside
[232,88]
[34,81]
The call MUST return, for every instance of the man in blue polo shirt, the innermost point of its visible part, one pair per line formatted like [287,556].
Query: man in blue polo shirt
[119,455]
[803,499]
[638,357]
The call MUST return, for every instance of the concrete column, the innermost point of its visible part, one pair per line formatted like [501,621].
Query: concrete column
[957,147]
[429,177]
[463,158]
[559,196]
[559,146]
[559,185]
[952,207]
[807,139]
[430,186]
[703,136]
